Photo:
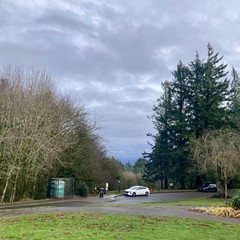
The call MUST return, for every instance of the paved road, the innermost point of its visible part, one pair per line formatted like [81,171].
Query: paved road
[103,205]
[157,197]
[83,202]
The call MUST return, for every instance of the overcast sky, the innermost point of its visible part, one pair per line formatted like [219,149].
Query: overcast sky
[112,55]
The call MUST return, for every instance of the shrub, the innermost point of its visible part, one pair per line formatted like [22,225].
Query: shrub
[81,189]
[235,201]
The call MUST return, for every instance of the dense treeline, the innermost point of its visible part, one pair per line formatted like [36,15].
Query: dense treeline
[200,98]
[45,135]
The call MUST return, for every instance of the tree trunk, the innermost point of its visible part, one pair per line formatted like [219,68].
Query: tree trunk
[14,189]
[225,184]
[6,185]
[34,185]
[166,183]
[225,189]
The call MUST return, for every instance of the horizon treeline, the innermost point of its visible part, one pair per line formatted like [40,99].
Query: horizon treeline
[201,96]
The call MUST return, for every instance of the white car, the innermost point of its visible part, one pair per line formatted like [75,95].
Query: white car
[137,190]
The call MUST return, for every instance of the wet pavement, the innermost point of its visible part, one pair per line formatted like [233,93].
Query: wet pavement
[74,202]
[104,205]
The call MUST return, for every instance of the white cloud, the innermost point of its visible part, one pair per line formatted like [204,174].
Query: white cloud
[113,55]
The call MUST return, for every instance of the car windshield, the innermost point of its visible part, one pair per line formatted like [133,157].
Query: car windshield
[133,188]
[206,184]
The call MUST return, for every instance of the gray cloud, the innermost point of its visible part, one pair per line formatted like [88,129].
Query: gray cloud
[113,55]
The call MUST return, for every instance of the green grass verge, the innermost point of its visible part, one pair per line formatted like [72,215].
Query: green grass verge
[109,226]
[201,202]
[191,202]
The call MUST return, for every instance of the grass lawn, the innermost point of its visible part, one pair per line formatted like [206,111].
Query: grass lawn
[201,202]
[109,226]
[204,202]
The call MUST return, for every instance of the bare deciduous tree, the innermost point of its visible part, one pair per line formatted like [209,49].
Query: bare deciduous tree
[43,135]
[35,128]
[218,151]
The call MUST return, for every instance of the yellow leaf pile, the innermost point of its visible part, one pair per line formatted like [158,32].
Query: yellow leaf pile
[219,211]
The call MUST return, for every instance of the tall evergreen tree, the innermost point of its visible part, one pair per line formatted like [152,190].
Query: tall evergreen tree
[139,165]
[180,123]
[168,157]
[234,106]
[196,78]
[215,89]
[193,101]
[159,160]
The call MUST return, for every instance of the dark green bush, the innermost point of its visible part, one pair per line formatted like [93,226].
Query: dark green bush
[235,201]
[81,189]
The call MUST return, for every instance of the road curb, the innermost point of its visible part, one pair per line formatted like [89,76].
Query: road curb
[106,198]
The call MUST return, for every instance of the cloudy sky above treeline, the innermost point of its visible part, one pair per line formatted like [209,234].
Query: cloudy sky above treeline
[112,55]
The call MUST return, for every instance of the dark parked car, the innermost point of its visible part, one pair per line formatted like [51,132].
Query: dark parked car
[208,187]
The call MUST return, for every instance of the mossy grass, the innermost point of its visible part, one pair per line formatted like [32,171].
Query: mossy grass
[190,202]
[109,226]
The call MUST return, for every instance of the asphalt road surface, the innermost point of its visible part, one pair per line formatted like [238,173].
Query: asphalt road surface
[103,205]
[157,197]
[89,201]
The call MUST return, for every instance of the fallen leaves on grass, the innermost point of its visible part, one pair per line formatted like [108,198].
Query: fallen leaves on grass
[148,219]
[219,211]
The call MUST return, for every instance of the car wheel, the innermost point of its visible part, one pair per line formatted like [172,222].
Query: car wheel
[134,194]
[146,193]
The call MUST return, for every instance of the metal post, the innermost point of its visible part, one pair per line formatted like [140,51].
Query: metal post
[118,186]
